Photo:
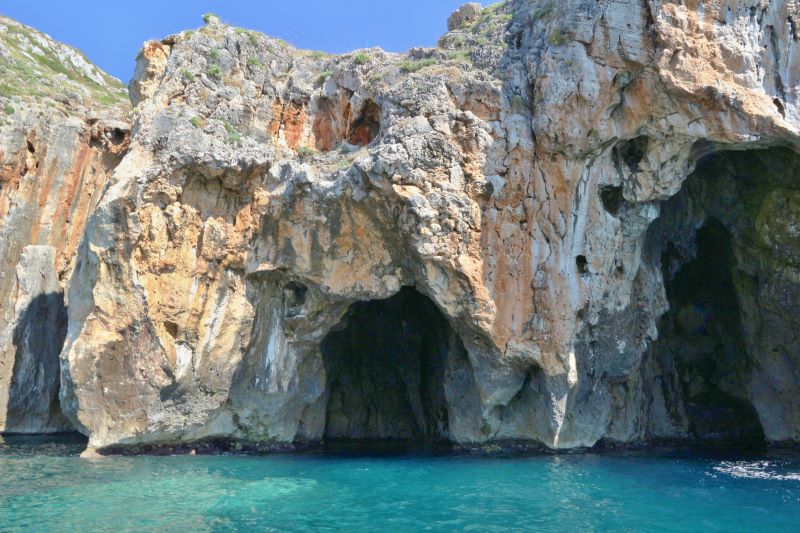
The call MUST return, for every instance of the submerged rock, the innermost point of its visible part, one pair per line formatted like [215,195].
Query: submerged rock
[493,240]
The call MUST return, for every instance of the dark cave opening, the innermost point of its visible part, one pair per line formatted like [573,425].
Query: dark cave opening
[703,336]
[366,126]
[386,365]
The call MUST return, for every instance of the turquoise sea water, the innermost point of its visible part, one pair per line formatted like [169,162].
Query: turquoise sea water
[44,486]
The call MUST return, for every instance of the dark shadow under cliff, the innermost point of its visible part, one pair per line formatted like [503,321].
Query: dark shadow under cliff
[33,403]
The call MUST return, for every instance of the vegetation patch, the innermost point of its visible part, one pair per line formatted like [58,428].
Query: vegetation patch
[252,35]
[414,66]
[197,122]
[362,58]
[8,109]
[214,71]
[462,56]
[305,150]
[32,66]
[234,137]
[559,37]
[543,11]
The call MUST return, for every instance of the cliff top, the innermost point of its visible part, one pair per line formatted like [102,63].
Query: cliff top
[35,68]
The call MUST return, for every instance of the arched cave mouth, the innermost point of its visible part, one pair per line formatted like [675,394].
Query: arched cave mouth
[704,335]
[386,365]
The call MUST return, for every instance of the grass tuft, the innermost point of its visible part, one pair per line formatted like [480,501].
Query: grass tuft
[234,137]
[414,66]
[305,150]
[214,71]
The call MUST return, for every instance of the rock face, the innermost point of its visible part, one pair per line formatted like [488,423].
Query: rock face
[58,146]
[570,222]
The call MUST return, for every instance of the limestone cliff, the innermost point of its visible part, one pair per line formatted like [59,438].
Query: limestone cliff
[62,131]
[570,222]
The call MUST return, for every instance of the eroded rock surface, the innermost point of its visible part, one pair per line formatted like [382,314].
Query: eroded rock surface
[59,142]
[512,176]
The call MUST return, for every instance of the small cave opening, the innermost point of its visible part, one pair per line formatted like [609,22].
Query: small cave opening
[366,126]
[703,335]
[612,198]
[582,264]
[631,152]
[336,122]
[386,366]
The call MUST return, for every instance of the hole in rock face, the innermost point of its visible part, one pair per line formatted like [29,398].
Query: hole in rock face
[386,365]
[779,106]
[612,199]
[632,152]
[295,294]
[172,328]
[582,264]
[704,333]
[117,136]
[366,127]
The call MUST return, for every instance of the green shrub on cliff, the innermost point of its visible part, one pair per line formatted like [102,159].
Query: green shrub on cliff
[305,150]
[8,109]
[414,66]
[234,137]
[214,71]
[559,37]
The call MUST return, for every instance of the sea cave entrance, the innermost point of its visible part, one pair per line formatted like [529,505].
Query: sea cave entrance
[704,338]
[386,365]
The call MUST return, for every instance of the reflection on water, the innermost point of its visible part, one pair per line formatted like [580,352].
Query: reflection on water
[47,487]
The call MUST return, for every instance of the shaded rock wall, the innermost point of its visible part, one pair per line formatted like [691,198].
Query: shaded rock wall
[58,147]
[726,250]
[54,171]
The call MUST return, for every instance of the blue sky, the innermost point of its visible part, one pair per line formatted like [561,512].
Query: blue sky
[110,32]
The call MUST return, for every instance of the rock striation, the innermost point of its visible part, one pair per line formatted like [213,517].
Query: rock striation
[568,223]
[63,130]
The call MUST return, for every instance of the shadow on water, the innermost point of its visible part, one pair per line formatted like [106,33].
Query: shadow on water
[33,404]
[57,444]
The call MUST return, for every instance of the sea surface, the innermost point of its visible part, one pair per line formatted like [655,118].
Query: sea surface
[45,486]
